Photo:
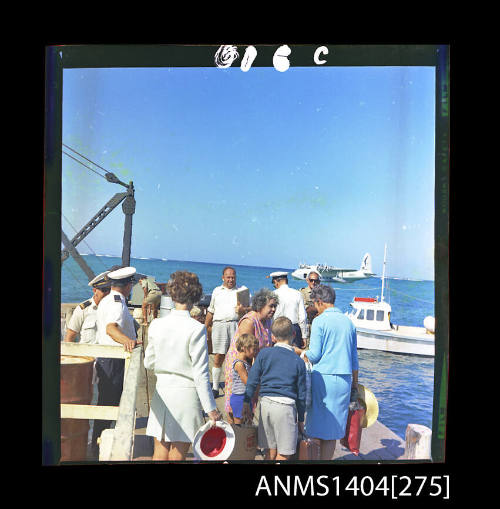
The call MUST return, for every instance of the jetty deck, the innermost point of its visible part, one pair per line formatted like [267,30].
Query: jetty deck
[378,443]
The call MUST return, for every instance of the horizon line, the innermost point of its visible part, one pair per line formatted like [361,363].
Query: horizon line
[241,265]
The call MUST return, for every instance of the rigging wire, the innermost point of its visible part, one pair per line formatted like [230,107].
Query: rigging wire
[389,291]
[88,167]
[79,281]
[86,158]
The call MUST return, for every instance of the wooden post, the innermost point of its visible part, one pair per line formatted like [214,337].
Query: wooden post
[418,442]
[123,436]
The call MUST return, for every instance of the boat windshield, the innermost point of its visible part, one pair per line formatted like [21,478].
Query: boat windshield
[380,315]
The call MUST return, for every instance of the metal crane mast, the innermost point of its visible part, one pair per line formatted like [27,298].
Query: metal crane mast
[128,208]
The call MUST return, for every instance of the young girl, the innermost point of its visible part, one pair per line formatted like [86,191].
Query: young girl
[248,348]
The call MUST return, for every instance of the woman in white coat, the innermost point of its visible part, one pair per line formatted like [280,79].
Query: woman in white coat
[177,352]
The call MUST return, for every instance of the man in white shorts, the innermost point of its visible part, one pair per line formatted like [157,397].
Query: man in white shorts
[222,321]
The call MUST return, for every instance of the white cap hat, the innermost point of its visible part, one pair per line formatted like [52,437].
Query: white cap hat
[122,274]
[278,274]
[214,443]
[100,280]
[312,270]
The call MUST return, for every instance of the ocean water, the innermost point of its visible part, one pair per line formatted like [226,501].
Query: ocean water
[402,384]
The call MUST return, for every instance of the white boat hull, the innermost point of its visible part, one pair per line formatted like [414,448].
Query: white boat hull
[408,340]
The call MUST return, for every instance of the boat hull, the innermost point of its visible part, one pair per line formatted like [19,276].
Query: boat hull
[416,342]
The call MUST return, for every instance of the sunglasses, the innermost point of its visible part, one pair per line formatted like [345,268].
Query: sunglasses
[314,280]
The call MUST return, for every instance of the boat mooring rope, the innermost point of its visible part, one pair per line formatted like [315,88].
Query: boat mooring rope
[411,296]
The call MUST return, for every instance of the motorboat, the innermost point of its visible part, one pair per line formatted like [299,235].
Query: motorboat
[375,331]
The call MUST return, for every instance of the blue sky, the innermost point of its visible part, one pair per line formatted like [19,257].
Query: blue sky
[314,164]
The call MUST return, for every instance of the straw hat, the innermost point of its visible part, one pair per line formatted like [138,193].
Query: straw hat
[370,404]
[214,443]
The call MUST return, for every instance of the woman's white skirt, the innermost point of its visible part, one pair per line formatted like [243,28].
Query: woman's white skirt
[175,414]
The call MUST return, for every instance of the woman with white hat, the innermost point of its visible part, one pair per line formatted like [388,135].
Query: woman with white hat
[177,352]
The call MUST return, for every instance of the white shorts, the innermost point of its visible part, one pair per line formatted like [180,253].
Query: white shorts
[277,427]
[222,333]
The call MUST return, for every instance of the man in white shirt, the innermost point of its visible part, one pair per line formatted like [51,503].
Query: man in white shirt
[83,321]
[115,325]
[291,305]
[222,321]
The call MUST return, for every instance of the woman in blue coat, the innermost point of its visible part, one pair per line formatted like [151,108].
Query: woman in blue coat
[334,358]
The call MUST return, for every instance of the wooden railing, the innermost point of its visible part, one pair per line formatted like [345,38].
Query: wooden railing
[115,444]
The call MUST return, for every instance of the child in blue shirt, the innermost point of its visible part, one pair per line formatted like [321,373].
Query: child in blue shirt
[281,375]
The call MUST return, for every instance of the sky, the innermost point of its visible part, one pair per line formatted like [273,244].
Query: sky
[266,168]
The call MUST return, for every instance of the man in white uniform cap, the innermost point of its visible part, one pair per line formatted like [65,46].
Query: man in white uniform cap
[291,305]
[115,325]
[83,321]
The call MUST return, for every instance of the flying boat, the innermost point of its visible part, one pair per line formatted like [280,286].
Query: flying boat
[331,274]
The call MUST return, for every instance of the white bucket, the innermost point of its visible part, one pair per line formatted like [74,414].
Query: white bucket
[166,305]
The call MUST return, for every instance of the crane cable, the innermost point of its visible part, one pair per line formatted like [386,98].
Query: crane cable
[90,161]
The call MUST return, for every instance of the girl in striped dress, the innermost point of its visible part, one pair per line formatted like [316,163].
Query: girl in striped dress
[248,348]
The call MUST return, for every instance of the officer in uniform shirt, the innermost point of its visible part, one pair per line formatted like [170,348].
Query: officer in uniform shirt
[115,326]
[152,297]
[83,321]
[291,305]
[313,279]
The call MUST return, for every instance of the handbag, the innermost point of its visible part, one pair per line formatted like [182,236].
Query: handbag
[352,438]
[309,449]
[308,385]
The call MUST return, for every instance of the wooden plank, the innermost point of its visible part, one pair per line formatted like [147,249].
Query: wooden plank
[377,443]
[123,436]
[92,350]
[109,413]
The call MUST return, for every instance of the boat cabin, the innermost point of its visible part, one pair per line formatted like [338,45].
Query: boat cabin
[370,313]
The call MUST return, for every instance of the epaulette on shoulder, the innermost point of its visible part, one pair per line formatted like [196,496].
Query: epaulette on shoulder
[85,304]
[117,298]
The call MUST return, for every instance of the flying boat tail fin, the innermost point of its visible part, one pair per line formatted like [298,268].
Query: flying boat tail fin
[366,263]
